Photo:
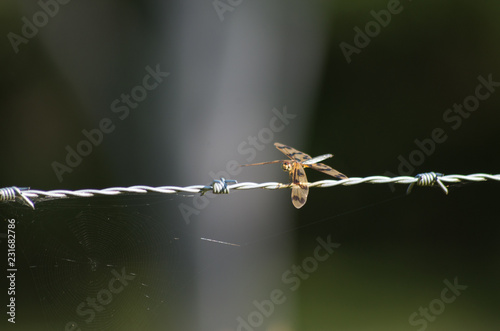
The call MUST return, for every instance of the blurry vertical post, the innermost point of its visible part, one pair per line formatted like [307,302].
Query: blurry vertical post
[295,275]
[222,6]
[250,147]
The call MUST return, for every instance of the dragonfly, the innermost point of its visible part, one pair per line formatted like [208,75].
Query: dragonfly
[295,167]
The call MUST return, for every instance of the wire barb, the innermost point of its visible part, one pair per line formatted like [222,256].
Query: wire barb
[219,186]
[428,179]
[11,193]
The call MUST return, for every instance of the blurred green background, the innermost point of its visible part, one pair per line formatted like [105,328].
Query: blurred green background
[230,63]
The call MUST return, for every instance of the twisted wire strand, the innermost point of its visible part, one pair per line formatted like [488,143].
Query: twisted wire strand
[221,186]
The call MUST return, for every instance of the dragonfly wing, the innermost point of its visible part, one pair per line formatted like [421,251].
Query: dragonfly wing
[327,170]
[300,188]
[318,159]
[292,152]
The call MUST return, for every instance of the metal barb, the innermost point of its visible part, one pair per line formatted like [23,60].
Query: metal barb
[11,193]
[428,179]
[218,186]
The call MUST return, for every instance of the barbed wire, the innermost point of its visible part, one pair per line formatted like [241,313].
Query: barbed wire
[222,186]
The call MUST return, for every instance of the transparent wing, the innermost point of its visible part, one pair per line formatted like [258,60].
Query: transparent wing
[292,152]
[318,159]
[300,189]
[327,170]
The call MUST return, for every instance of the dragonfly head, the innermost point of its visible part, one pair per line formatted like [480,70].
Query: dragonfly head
[286,166]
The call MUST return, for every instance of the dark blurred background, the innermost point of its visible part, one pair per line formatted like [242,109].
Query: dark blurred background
[121,93]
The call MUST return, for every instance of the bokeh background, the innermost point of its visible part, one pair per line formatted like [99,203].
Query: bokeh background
[241,75]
